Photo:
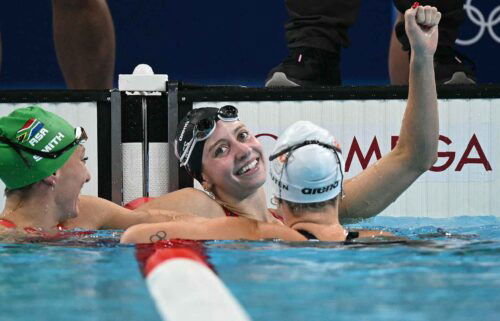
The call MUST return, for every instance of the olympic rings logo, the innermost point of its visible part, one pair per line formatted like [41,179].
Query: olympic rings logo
[477,17]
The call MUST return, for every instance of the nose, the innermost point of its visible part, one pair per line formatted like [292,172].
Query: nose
[87,175]
[242,151]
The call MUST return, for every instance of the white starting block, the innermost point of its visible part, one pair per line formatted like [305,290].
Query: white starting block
[143,81]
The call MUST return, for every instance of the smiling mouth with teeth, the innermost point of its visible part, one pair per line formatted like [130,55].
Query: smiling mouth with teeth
[247,167]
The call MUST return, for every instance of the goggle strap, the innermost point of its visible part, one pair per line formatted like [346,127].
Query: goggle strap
[183,160]
[80,137]
[28,150]
[186,155]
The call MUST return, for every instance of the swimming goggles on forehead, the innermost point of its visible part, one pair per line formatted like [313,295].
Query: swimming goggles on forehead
[80,137]
[205,127]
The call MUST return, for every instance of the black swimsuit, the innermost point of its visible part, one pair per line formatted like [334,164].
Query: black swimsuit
[350,235]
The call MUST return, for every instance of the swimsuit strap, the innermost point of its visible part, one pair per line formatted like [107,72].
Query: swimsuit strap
[228,212]
[276,216]
[352,236]
[31,230]
[7,223]
[307,235]
[66,232]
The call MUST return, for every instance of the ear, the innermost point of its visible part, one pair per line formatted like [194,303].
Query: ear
[207,185]
[52,179]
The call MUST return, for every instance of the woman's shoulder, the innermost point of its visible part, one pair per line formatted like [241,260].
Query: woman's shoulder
[185,196]
[187,200]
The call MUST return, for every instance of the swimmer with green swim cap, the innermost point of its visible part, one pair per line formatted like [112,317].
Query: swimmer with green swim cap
[34,143]
[42,164]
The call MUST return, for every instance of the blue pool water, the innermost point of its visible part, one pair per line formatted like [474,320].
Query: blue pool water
[72,282]
[452,273]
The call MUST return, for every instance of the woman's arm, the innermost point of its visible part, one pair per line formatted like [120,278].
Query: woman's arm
[370,192]
[98,213]
[222,228]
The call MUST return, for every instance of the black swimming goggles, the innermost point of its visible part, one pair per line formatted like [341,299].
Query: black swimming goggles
[292,148]
[80,137]
[204,127]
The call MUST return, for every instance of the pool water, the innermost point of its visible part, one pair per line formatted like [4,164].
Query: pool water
[450,270]
[72,282]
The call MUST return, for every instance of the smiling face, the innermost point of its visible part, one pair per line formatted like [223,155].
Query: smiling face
[233,161]
[70,180]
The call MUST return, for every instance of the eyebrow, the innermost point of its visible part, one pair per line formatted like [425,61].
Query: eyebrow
[235,131]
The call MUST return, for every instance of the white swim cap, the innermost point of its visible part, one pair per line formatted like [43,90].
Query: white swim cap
[309,167]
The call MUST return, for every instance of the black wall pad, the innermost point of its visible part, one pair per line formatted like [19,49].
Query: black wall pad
[190,93]
[104,148]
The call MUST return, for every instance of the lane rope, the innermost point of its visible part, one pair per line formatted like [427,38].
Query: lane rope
[183,283]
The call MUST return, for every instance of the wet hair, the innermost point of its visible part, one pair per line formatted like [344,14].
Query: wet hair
[298,208]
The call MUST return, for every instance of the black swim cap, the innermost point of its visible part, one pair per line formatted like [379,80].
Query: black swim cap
[185,135]
[192,132]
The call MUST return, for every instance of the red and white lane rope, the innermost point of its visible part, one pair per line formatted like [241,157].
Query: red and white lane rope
[183,284]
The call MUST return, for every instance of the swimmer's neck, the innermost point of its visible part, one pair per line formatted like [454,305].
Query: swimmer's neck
[36,210]
[253,206]
[324,225]
[329,215]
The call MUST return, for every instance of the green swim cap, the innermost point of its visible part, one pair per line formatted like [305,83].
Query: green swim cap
[29,131]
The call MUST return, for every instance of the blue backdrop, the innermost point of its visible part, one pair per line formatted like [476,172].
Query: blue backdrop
[217,42]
